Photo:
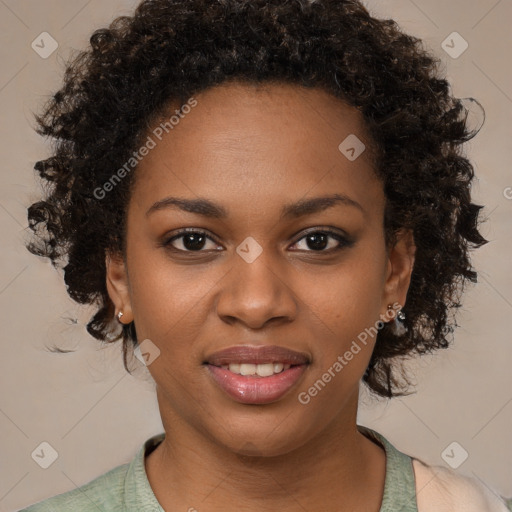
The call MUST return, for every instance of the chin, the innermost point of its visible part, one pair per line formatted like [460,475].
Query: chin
[259,437]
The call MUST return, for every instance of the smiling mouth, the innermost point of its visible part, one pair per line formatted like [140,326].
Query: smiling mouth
[256,375]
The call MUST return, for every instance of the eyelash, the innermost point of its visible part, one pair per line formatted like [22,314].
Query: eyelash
[343,241]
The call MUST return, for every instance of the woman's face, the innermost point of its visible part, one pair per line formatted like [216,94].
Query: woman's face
[263,269]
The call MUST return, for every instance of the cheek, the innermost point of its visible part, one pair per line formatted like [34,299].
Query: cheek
[343,308]
[172,320]
[167,299]
[347,297]
[171,303]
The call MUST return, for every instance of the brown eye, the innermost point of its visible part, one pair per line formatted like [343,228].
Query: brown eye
[318,241]
[189,241]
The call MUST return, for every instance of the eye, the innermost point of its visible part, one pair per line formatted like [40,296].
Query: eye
[318,239]
[189,240]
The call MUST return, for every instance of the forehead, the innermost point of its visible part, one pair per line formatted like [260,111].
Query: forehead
[258,144]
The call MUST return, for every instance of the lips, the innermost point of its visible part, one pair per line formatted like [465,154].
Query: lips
[252,389]
[257,355]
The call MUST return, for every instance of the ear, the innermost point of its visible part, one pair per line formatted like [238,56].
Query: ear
[401,259]
[118,286]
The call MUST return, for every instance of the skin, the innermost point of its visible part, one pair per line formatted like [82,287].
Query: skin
[253,149]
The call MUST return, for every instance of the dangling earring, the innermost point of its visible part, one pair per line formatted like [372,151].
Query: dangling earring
[397,326]
[119,315]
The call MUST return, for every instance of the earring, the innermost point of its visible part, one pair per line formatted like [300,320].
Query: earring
[397,327]
[119,315]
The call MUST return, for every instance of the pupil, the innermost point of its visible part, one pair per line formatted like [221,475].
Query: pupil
[314,239]
[190,244]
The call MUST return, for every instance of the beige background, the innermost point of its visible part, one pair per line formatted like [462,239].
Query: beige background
[96,416]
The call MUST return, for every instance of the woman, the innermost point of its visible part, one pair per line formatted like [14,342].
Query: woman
[271,199]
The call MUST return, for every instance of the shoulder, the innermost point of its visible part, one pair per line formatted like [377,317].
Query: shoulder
[103,493]
[439,489]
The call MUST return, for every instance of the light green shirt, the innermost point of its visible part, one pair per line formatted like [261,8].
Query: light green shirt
[126,488]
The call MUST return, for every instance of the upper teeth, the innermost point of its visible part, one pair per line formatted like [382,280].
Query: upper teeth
[263,370]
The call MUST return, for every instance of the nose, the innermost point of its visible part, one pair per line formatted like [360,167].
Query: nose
[257,293]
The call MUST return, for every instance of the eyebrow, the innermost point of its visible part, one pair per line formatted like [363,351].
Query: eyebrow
[208,208]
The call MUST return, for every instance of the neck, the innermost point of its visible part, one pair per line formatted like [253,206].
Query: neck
[337,468]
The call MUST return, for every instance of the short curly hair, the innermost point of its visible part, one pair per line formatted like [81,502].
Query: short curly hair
[171,49]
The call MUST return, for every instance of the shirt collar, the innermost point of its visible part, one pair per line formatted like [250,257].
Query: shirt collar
[399,486]
[138,494]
